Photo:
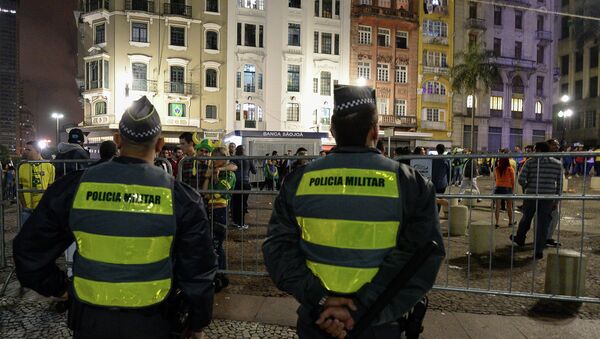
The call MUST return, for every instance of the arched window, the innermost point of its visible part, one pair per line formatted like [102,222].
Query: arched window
[517,85]
[211,77]
[434,87]
[538,107]
[498,84]
[212,40]
[100,108]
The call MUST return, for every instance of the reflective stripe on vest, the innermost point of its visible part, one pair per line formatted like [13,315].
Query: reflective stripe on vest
[346,253]
[124,227]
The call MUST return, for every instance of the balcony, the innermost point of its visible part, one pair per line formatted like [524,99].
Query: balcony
[474,23]
[250,124]
[517,2]
[178,88]
[397,120]
[545,37]
[89,6]
[516,115]
[369,10]
[140,5]
[512,62]
[435,98]
[249,88]
[177,9]
[103,119]
[143,85]
[435,40]
[496,113]
[433,125]
[436,70]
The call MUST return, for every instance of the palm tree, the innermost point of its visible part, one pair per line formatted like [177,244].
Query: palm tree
[474,75]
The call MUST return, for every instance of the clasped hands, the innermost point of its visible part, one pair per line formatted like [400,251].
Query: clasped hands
[336,319]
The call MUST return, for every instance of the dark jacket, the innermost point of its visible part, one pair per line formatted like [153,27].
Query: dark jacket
[286,262]
[440,170]
[244,167]
[46,235]
[68,151]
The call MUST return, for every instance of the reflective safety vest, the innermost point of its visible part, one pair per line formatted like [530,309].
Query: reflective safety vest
[124,223]
[349,212]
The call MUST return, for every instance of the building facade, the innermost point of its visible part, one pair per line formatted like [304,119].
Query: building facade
[173,52]
[517,110]
[436,53]
[9,74]
[25,123]
[384,55]
[577,77]
[284,58]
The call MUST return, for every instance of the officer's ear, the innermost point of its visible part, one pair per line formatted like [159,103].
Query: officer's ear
[159,144]
[117,140]
[373,134]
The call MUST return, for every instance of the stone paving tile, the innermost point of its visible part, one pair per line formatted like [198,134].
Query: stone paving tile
[20,318]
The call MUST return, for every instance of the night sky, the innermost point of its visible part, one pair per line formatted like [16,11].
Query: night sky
[48,48]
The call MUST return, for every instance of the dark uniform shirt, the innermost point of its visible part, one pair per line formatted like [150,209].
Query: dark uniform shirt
[46,235]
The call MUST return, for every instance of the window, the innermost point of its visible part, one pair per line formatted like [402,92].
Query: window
[326,116]
[593,87]
[100,33]
[517,85]
[315,85]
[239,34]
[538,135]
[324,8]
[177,110]
[336,44]
[383,37]
[432,114]
[96,74]
[540,22]
[579,89]
[211,78]
[385,3]
[293,111]
[238,112]
[382,106]
[435,28]
[594,57]
[540,54]
[177,36]
[326,43]
[325,83]
[539,86]
[212,40]
[250,35]
[564,65]
[366,2]
[400,108]
[249,76]
[496,103]
[518,19]
[252,4]
[564,88]
[260,36]
[177,77]
[434,87]
[564,27]
[497,16]
[260,81]
[212,6]
[100,107]
[316,43]
[518,49]
[139,32]
[293,79]
[472,10]
[211,112]
[383,72]
[294,34]
[364,70]
[364,35]
[590,119]
[516,137]
[238,79]
[538,107]
[516,105]
[401,39]
[401,74]
[497,47]
[295,3]
[435,59]
[578,62]
[139,72]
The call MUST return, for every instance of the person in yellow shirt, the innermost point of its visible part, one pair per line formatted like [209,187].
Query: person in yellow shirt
[33,176]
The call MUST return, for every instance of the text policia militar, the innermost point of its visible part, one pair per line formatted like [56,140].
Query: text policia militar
[347,181]
[134,198]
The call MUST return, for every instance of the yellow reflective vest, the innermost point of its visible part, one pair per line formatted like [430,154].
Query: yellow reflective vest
[124,223]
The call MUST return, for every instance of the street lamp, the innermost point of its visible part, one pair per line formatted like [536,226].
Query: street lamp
[57,116]
[565,98]
[563,115]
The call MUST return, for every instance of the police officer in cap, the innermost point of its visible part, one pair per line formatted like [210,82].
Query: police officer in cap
[140,236]
[343,225]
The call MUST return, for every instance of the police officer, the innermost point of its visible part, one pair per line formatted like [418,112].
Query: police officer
[140,235]
[345,224]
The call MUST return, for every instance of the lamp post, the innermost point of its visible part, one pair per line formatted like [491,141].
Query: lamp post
[563,115]
[57,116]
